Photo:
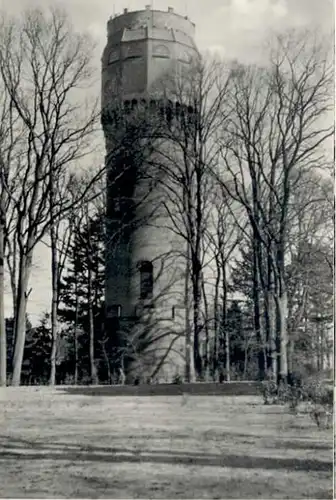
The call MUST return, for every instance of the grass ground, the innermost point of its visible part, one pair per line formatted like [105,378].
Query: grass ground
[58,445]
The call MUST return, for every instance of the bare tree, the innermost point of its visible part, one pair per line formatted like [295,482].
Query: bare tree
[224,233]
[310,243]
[275,134]
[3,342]
[10,135]
[43,63]
[3,231]
[195,101]
[90,298]
[61,237]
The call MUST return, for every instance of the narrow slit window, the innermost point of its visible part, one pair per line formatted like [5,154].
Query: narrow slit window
[117,205]
[146,280]
[114,311]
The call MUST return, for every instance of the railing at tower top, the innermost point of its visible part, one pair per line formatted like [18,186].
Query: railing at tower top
[152,17]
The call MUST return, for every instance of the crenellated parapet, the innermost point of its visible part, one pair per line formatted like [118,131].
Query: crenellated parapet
[156,21]
[165,110]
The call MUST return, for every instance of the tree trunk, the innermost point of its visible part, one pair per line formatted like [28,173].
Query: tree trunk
[207,337]
[107,361]
[290,354]
[196,274]
[91,328]
[3,339]
[54,304]
[282,312]
[197,327]
[281,303]
[272,334]
[189,365]
[322,337]
[225,325]
[93,371]
[12,267]
[216,322]
[245,359]
[21,309]
[256,310]
[319,338]
[76,332]
[227,355]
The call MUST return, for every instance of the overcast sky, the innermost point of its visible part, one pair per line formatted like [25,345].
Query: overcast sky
[233,28]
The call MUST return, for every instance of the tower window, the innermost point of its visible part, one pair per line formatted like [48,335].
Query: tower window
[169,112]
[146,280]
[117,205]
[161,108]
[127,107]
[152,105]
[114,311]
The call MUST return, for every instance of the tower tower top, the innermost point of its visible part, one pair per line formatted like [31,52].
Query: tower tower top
[151,18]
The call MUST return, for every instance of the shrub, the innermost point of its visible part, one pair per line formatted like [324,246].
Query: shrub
[320,400]
[85,380]
[283,393]
[294,397]
[321,415]
[269,391]
[177,379]
[319,393]
[318,396]
[69,379]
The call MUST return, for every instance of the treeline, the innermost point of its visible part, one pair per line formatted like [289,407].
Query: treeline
[246,184]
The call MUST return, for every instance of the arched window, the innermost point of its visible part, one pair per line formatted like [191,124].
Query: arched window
[169,112]
[152,105]
[127,107]
[146,280]
[184,110]
[161,51]
[161,108]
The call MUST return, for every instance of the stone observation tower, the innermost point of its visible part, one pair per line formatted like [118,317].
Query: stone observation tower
[145,274]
